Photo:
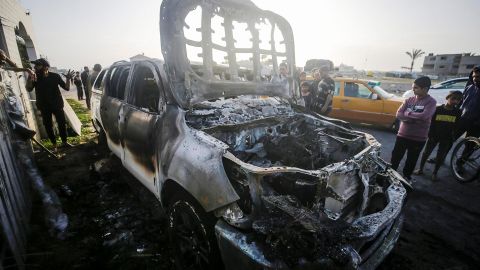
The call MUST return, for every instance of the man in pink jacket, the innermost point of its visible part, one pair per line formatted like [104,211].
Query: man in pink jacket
[415,115]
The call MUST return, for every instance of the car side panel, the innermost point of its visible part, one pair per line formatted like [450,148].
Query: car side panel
[139,144]
[110,111]
[192,159]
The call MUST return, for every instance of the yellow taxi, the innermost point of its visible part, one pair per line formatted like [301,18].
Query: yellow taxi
[364,101]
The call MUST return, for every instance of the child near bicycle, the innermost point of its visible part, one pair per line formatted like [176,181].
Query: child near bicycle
[442,132]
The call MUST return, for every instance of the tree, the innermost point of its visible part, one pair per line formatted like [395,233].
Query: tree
[414,55]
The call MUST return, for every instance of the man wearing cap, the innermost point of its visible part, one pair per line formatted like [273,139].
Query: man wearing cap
[415,116]
[48,97]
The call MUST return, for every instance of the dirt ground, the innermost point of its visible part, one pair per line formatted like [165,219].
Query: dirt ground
[114,223]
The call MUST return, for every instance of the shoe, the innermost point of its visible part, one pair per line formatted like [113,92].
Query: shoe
[418,172]
[434,177]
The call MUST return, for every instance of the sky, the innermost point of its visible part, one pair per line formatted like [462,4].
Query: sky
[368,34]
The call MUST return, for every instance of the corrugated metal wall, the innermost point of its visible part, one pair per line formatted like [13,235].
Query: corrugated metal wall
[15,202]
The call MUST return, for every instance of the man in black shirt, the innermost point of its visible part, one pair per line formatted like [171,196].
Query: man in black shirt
[322,88]
[78,84]
[48,97]
[84,77]
[442,131]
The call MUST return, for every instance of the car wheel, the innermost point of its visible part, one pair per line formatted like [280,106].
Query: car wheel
[102,142]
[191,234]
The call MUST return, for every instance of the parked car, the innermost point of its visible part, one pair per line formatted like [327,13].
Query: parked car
[364,101]
[249,179]
[440,91]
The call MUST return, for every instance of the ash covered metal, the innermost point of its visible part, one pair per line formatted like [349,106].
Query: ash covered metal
[236,110]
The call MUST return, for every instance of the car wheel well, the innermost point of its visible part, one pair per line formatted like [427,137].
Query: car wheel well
[169,189]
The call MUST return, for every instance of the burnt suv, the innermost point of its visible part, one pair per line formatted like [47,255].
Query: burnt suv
[249,179]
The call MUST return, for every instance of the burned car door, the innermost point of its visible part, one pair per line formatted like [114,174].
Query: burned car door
[141,115]
[111,107]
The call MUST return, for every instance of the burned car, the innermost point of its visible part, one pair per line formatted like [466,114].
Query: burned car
[249,179]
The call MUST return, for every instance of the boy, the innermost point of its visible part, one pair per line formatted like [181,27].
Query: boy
[442,131]
[415,115]
[306,95]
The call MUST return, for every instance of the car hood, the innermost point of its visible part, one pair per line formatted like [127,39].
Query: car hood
[210,79]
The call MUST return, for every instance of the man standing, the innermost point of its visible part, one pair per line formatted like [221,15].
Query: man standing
[91,79]
[470,113]
[78,84]
[48,97]
[84,77]
[470,119]
[415,116]
[322,89]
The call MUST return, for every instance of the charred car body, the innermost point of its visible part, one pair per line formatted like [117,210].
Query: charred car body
[245,173]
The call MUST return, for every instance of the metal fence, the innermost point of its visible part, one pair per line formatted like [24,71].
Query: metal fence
[15,204]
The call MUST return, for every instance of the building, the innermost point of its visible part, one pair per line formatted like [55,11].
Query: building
[18,41]
[444,65]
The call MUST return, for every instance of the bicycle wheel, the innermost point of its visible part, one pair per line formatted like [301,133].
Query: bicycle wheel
[465,161]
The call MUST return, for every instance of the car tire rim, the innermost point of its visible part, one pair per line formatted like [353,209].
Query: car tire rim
[189,237]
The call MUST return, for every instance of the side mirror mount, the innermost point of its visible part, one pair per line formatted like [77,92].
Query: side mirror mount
[374,96]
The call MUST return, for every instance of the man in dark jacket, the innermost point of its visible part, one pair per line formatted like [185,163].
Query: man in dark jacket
[84,77]
[470,119]
[78,84]
[322,88]
[48,97]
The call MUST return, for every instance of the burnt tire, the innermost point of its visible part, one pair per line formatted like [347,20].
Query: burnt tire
[191,235]
[102,142]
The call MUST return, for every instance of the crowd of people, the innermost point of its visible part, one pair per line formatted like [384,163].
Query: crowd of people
[422,122]
[317,95]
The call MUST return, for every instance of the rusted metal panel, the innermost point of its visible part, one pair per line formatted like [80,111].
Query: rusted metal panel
[15,204]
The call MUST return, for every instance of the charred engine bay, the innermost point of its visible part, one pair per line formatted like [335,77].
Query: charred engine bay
[298,217]
[268,132]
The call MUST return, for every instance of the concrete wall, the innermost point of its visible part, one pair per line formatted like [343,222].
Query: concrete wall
[15,205]
[14,16]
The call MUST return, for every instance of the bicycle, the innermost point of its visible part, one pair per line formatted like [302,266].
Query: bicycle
[465,161]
